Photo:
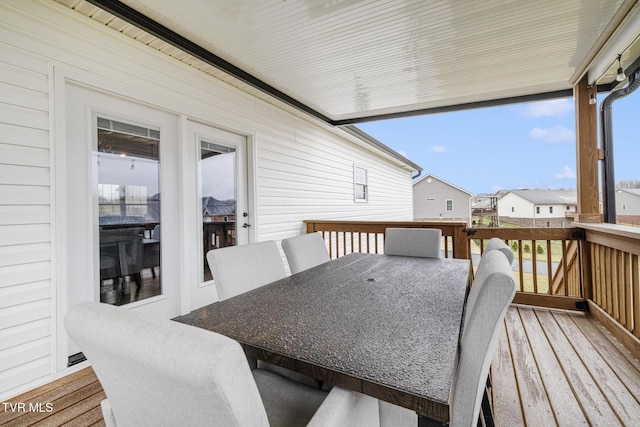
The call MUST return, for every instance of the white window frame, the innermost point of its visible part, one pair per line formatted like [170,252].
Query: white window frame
[360,183]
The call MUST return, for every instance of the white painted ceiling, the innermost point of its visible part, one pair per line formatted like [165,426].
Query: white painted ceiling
[351,60]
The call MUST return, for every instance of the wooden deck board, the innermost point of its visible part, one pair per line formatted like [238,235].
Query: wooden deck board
[551,368]
[536,407]
[617,394]
[581,366]
[508,408]
[584,387]
[565,407]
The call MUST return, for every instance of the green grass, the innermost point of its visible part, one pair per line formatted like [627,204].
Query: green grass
[540,250]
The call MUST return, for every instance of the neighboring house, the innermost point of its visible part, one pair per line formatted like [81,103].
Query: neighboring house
[214,210]
[628,206]
[68,81]
[538,208]
[484,211]
[437,199]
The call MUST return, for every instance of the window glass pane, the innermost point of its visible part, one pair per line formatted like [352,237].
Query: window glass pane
[360,175]
[360,183]
[218,179]
[128,199]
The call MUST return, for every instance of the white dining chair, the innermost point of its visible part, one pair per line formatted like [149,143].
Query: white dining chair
[485,269]
[498,244]
[482,326]
[416,242]
[157,372]
[239,269]
[305,251]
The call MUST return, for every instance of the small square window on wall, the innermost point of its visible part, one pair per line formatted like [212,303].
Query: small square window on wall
[360,184]
[449,205]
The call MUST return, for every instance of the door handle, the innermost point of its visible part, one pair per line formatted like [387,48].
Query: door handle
[245,225]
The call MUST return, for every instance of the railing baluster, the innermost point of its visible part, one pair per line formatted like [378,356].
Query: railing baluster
[446,246]
[628,297]
[534,265]
[550,291]
[621,282]
[635,285]
[609,283]
[565,267]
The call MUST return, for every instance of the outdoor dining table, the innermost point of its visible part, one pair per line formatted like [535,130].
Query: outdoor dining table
[386,326]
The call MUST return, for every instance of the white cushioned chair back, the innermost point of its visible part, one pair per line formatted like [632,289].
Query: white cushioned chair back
[239,269]
[305,251]
[156,372]
[484,269]
[498,244]
[417,242]
[482,327]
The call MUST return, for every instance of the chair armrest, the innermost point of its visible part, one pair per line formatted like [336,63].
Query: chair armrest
[346,408]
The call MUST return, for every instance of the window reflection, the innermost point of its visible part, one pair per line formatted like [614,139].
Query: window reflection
[128,209]
[218,178]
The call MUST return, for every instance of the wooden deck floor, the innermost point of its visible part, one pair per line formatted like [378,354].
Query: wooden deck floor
[551,368]
[561,368]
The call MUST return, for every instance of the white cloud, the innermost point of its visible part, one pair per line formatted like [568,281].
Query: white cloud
[567,173]
[553,107]
[557,133]
[437,148]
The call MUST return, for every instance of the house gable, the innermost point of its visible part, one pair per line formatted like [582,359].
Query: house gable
[434,198]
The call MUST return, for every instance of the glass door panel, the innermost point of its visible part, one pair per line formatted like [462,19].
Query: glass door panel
[127,165]
[219,206]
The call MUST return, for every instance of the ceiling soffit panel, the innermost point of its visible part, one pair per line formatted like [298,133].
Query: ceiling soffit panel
[346,61]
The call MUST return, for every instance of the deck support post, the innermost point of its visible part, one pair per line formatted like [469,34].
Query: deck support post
[587,153]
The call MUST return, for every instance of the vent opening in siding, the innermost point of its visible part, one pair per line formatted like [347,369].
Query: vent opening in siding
[74,359]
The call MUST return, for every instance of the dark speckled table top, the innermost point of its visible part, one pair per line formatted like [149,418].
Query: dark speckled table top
[389,323]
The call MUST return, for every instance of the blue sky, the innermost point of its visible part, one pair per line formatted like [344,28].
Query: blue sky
[529,145]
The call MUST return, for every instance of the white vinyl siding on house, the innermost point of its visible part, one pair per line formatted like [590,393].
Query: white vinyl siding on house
[628,202]
[301,169]
[25,220]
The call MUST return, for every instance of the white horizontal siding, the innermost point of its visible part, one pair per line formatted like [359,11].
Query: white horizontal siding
[521,207]
[24,254]
[303,169]
[25,333]
[630,202]
[13,135]
[35,370]
[24,273]
[310,186]
[25,216]
[18,355]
